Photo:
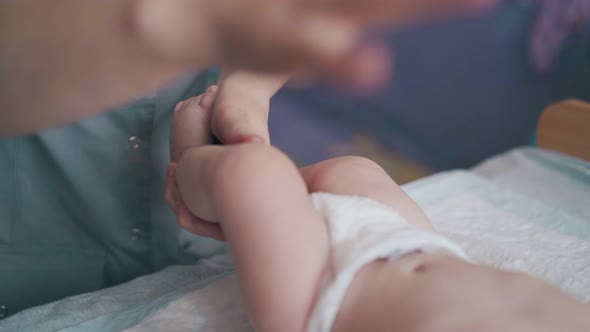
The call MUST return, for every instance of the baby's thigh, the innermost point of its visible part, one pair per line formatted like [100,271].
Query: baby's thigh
[362,177]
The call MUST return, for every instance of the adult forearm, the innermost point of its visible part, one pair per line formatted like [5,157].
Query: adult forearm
[66,59]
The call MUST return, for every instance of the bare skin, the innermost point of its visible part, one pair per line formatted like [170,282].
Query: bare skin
[234,185]
[279,241]
[432,293]
[64,60]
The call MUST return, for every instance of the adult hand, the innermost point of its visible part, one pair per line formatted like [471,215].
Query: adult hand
[315,36]
[114,50]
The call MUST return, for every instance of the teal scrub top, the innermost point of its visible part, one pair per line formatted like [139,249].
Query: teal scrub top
[82,207]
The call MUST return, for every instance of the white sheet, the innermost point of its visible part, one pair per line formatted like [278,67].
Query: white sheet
[552,178]
[512,220]
[489,234]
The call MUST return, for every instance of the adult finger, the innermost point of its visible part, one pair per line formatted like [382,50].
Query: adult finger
[365,69]
[329,37]
[333,51]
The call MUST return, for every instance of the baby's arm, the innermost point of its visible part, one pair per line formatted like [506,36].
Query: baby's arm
[262,202]
[278,240]
[281,250]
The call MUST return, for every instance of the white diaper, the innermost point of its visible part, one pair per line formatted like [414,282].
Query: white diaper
[363,230]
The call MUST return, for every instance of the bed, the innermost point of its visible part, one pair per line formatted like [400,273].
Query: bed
[525,210]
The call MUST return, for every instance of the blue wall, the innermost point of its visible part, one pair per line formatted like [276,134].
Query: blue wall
[462,91]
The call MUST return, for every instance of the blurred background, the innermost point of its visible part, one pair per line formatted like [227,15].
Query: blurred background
[462,91]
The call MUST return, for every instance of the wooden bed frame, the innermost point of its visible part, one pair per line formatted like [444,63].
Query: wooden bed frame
[565,127]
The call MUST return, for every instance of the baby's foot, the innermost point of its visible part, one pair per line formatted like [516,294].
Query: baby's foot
[191,125]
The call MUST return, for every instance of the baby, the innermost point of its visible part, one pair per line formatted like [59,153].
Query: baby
[312,245]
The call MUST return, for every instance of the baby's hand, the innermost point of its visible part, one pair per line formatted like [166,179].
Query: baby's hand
[191,127]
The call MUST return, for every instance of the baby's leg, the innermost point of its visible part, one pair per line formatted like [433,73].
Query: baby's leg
[363,177]
[278,240]
[378,287]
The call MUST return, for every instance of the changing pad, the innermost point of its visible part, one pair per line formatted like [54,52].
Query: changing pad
[495,223]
